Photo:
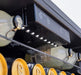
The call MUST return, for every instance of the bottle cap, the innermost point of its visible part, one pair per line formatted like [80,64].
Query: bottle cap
[3,65]
[38,70]
[52,71]
[20,67]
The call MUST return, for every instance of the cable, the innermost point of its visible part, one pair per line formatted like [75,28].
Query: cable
[36,50]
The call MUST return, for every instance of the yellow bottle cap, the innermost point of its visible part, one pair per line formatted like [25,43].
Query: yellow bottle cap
[62,73]
[72,74]
[3,65]
[52,71]
[20,67]
[38,70]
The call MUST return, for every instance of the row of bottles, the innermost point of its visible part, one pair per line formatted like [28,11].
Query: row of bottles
[20,67]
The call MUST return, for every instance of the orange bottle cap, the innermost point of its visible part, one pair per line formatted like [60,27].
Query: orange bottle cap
[3,65]
[38,70]
[52,71]
[20,67]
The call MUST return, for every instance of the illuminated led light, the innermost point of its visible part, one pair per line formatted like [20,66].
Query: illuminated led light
[37,36]
[48,42]
[52,43]
[28,31]
[32,33]
[45,40]
[55,45]
[41,38]
[23,28]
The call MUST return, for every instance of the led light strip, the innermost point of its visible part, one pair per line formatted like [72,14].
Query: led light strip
[41,38]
